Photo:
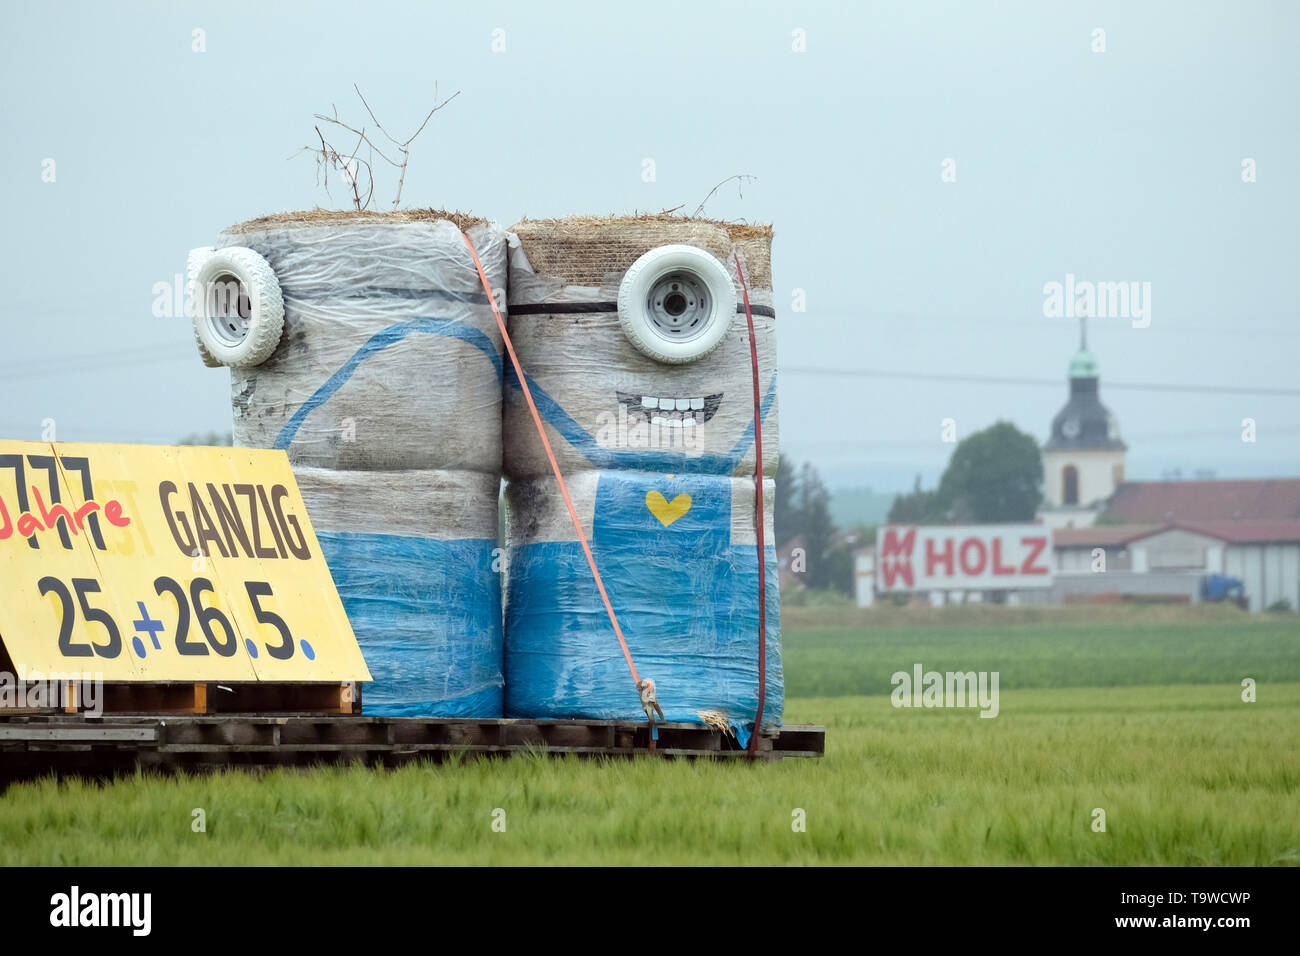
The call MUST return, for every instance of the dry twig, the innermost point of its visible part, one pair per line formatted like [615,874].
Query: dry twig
[740,178]
[327,156]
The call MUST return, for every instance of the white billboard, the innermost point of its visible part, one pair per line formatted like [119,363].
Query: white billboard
[984,557]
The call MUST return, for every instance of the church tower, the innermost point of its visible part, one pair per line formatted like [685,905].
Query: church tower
[1083,459]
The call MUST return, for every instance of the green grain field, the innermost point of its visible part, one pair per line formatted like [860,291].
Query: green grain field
[1134,711]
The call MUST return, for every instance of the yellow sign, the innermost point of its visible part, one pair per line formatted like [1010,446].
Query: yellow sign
[156,563]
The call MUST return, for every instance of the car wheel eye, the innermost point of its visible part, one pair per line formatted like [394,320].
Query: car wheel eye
[676,303]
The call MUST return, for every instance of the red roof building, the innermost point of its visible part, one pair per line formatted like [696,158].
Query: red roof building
[1272,499]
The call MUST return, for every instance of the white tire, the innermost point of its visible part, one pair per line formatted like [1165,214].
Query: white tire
[196,259]
[676,304]
[240,311]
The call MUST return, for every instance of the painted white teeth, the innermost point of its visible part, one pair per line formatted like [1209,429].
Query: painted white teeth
[657,420]
[688,421]
[652,402]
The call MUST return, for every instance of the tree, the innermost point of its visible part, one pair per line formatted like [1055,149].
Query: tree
[816,526]
[918,507]
[211,438]
[994,475]
[785,509]
[840,569]
[802,509]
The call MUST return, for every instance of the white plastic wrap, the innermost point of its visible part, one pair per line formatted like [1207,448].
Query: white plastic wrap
[390,357]
[414,503]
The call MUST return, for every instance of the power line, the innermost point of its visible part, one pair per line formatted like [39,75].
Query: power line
[1036,382]
[26,431]
[980,322]
[100,354]
[858,443]
[95,362]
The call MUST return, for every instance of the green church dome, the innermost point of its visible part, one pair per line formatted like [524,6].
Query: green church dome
[1084,365]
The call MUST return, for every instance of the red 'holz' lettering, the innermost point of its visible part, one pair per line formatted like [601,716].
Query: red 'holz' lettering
[1036,545]
[944,558]
[977,568]
[998,566]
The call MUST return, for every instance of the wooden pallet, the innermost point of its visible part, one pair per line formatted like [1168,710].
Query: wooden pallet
[36,744]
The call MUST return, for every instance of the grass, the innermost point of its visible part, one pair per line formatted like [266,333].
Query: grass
[1187,774]
[858,653]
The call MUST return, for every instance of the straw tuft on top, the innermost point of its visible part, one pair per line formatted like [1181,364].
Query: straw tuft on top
[597,250]
[318,216]
[737,230]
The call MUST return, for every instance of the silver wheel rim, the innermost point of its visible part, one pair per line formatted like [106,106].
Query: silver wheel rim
[679,306]
[229,309]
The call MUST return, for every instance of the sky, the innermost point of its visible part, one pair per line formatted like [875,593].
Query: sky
[928,168]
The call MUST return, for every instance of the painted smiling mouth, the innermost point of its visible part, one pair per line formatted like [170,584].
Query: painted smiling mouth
[673,412]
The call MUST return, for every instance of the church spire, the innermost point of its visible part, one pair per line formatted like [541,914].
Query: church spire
[1084,423]
[1083,365]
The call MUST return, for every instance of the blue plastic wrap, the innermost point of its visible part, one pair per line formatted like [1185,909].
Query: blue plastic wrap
[427,616]
[684,593]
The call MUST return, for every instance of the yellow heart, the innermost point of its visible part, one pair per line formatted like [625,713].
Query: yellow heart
[667,511]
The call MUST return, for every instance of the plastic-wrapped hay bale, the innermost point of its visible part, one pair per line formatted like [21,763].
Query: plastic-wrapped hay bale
[390,356]
[411,556]
[657,447]
[385,389]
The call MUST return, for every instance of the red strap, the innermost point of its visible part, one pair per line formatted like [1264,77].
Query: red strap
[541,430]
[758,510]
